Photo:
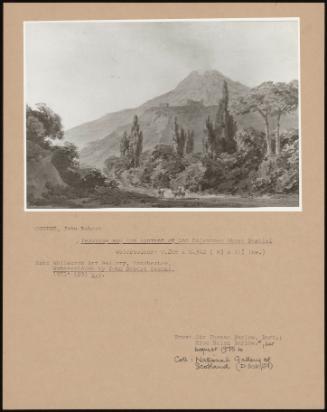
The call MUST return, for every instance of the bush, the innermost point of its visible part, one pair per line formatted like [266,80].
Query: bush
[35,152]
[213,175]
[280,175]
[112,184]
[115,166]
[251,148]
[160,179]
[66,160]
[235,172]
[190,178]
[163,152]
[92,179]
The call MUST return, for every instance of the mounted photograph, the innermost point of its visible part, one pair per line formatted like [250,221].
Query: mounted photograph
[200,114]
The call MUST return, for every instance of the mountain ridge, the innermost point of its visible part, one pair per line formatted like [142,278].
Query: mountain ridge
[193,99]
[196,86]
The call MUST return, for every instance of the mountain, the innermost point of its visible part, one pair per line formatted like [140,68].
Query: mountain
[192,101]
[157,124]
[205,87]
[97,129]
[196,86]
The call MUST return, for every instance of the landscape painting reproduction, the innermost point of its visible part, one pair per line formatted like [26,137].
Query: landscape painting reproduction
[162,114]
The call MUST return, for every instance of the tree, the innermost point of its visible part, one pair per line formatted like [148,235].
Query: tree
[285,100]
[66,156]
[179,139]
[228,123]
[35,131]
[250,147]
[205,147]
[124,144]
[42,123]
[163,152]
[131,145]
[135,143]
[220,136]
[66,160]
[210,142]
[93,178]
[189,142]
[269,100]
[259,99]
[137,138]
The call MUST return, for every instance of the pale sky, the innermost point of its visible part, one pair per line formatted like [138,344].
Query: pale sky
[84,70]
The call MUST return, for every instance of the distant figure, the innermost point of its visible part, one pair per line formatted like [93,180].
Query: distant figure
[180,192]
[165,193]
[161,192]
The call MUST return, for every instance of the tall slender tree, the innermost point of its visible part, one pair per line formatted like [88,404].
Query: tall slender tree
[179,138]
[124,144]
[189,142]
[220,135]
[131,145]
[285,101]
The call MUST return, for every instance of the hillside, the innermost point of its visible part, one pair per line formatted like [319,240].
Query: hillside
[97,129]
[192,101]
[206,86]
[157,124]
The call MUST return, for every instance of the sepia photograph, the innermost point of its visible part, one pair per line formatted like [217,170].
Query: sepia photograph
[163,206]
[200,114]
